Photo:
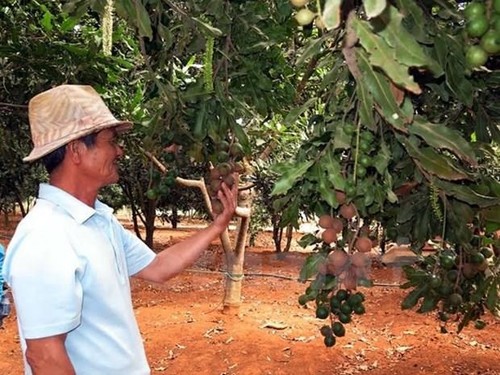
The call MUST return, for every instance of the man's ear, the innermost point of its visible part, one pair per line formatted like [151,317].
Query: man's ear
[74,151]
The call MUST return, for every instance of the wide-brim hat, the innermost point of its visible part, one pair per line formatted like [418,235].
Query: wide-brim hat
[65,113]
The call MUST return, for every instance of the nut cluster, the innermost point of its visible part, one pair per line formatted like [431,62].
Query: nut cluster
[228,158]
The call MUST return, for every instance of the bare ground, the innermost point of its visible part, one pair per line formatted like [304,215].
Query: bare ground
[185,331]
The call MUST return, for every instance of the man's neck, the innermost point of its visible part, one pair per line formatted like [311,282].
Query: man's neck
[80,190]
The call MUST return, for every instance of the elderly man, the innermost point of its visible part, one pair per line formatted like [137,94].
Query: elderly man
[69,262]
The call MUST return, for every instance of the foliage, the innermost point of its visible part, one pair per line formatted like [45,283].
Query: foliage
[405,127]
[37,51]
[454,281]
[225,72]
[272,142]
[395,125]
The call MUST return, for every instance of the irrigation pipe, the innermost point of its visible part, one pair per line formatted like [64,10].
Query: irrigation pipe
[253,274]
[286,277]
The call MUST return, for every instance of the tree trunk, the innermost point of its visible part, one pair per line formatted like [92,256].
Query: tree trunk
[149,224]
[19,201]
[235,258]
[6,218]
[277,232]
[135,217]
[289,238]
[233,279]
[175,217]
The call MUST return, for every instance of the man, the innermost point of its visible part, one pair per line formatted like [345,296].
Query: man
[69,262]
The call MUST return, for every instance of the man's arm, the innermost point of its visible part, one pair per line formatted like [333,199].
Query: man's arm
[176,258]
[48,356]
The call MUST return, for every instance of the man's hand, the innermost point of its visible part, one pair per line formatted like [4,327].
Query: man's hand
[177,257]
[229,199]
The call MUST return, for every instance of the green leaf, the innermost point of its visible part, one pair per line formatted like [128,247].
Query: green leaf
[310,267]
[467,317]
[290,214]
[365,106]
[327,192]
[415,20]
[308,240]
[442,137]
[373,8]
[449,53]
[421,228]
[493,298]
[312,48]
[458,84]
[379,87]
[407,285]
[440,50]
[69,23]
[136,13]
[294,114]
[368,194]
[239,133]
[212,31]
[143,20]
[405,213]
[486,125]
[341,140]
[407,50]
[331,14]
[433,162]
[382,159]
[76,6]
[429,303]
[462,210]
[200,130]
[491,214]
[384,56]
[46,21]
[391,196]
[365,283]
[482,289]
[291,174]
[412,298]
[337,73]
[330,282]
[333,169]
[466,194]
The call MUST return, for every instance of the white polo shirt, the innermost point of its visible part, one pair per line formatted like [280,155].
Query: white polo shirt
[68,266]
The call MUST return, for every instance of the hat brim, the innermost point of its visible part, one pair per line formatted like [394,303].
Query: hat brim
[41,151]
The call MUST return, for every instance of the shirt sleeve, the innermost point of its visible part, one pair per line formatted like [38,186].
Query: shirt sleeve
[137,254]
[43,273]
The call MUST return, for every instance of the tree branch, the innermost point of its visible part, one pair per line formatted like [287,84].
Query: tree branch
[200,184]
[13,105]
[348,50]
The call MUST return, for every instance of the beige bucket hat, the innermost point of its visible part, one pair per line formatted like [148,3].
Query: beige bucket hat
[65,113]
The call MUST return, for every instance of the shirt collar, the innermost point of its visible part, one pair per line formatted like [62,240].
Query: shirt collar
[74,207]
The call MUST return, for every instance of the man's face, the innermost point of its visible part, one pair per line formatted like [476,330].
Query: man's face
[99,165]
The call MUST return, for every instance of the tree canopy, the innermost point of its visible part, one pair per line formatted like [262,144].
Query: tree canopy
[393,108]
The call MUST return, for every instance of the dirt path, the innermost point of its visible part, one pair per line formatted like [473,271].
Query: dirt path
[184,330]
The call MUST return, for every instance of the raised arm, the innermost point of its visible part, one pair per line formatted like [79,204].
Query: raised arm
[174,259]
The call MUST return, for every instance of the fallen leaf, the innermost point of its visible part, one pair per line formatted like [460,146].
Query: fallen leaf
[274,325]
[403,349]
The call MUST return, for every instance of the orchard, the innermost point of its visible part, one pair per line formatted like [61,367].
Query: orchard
[379,122]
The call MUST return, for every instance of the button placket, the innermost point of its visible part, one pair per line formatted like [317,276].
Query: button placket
[108,229]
